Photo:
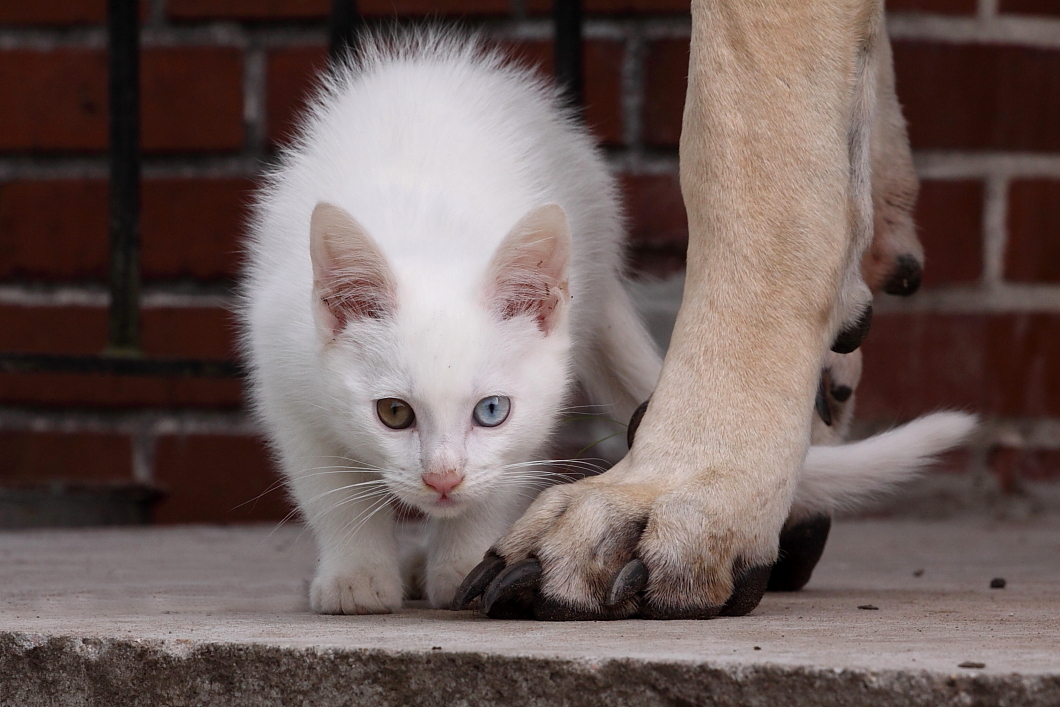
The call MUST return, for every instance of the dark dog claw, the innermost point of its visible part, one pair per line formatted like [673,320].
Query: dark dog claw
[842,393]
[905,280]
[750,586]
[477,580]
[801,546]
[850,338]
[634,422]
[630,581]
[821,404]
[511,594]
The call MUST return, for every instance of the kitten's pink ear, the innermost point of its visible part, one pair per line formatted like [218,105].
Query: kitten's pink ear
[351,278]
[529,272]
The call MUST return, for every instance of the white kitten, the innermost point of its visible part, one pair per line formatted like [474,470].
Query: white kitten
[434,263]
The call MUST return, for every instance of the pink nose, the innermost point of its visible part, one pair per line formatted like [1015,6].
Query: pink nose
[443,482]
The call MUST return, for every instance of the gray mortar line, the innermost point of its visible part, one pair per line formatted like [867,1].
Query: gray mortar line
[632,87]
[136,422]
[986,9]
[954,164]
[1004,298]
[97,296]
[254,97]
[185,166]
[143,457]
[995,230]
[1020,31]
[674,27]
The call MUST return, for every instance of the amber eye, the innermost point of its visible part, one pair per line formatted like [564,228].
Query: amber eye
[395,413]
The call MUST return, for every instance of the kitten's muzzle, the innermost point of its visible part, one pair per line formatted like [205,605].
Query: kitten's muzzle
[444,481]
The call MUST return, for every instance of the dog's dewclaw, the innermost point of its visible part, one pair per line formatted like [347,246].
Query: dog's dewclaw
[630,581]
[851,337]
[801,546]
[511,594]
[477,580]
[905,278]
[821,404]
[634,422]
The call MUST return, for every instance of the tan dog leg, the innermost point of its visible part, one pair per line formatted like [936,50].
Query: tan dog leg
[775,170]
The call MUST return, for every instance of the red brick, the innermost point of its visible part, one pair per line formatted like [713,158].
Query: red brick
[620,7]
[978,96]
[289,83]
[291,72]
[57,229]
[41,457]
[658,227]
[1003,364]
[1033,231]
[1012,465]
[193,228]
[192,99]
[248,9]
[656,211]
[665,82]
[189,333]
[942,7]
[53,229]
[54,330]
[185,333]
[53,12]
[949,217]
[217,479]
[62,390]
[274,10]
[1030,7]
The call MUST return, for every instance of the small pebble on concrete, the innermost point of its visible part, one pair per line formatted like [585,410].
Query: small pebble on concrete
[919,572]
[869,607]
[997,583]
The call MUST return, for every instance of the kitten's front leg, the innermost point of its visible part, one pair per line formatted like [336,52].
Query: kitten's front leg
[456,545]
[351,518]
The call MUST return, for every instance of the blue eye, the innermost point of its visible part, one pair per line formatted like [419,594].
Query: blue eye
[492,411]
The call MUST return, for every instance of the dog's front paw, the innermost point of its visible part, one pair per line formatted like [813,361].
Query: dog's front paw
[366,590]
[612,547]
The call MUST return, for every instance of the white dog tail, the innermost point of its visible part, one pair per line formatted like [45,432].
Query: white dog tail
[847,475]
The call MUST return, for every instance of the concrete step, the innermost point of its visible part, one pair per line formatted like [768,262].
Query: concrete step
[218,616]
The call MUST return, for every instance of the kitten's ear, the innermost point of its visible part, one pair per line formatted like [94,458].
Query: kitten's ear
[529,272]
[351,278]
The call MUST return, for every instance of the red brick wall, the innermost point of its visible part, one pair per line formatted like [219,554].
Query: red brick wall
[222,80]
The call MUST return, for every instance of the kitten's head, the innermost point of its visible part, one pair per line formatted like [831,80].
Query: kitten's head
[439,377]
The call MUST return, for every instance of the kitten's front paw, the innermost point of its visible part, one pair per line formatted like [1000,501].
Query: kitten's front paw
[443,579]
[365,591]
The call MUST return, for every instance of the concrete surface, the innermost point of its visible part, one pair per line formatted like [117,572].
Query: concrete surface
[218,616]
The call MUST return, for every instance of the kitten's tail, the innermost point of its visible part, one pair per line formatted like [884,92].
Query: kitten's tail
[848,475]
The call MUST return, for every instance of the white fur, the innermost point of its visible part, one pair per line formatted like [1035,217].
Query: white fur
[437,149]
[843,477]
